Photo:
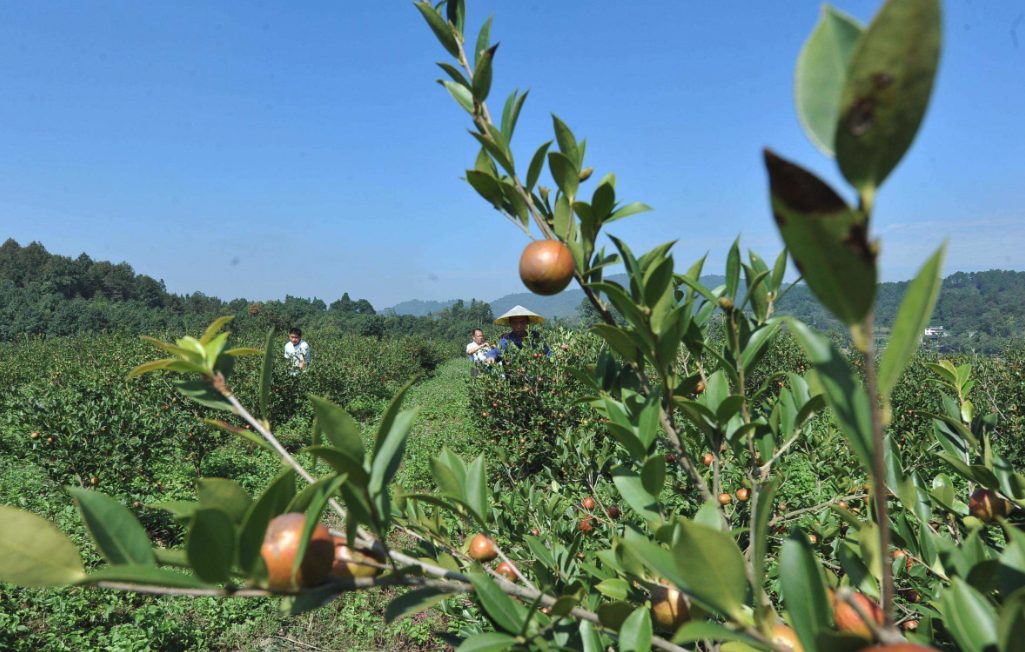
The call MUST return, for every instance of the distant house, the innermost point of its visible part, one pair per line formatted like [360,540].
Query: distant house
[935,331]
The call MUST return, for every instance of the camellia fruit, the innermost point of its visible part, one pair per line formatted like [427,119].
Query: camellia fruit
[506,570]
[908,564]
[546,267]
[709,458]
[986,506]
[669,608]
[786,637]
[280,545]
[842,504]
[536,532]
[584,524]
[847,619]
[482,549]
[725,499]
[615,512]
[911,626]
[588,503]
[349,562]
[743,495]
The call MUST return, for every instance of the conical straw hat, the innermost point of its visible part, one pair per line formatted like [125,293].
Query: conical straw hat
[519,311]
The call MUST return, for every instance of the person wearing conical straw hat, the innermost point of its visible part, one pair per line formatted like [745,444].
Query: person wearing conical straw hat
[518,319]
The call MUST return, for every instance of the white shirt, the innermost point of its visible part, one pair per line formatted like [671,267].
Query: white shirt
[480,354]
[297,352]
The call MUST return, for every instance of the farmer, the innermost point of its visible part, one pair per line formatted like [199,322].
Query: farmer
[518,319]
[477,350]
[297,350]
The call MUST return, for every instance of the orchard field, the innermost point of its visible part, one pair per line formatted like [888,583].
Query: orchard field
[145,446]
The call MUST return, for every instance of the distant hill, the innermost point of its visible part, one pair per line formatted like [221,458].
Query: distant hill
[419,308]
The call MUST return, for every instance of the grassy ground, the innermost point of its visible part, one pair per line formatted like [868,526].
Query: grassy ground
[85,619]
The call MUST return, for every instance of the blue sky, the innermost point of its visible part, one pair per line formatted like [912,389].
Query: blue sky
[260,149]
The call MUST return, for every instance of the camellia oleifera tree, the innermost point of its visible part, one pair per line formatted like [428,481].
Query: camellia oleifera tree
[641,576]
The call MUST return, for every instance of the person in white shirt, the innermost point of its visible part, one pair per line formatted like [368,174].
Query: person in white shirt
[297,350]
[477,350]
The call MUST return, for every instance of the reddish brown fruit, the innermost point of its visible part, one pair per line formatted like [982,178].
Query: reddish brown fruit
[911,626]
[94,481]
[588,503]
[482,549]
[743,495]
[546,267]
[34,435]
[280,545]
[350,563]
[900,553]
[49,440]
[847,619]
[842,504]
[584,524]
[709,458]
[911,595]
[699,388]
[670,458]
[725,499]
[813,539]
[506,570]
[536,532]
[986,506]
[786,637]
[544,610]
[615,512]
[669,608]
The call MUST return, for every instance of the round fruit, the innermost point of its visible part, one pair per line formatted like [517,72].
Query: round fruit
[588,503]
[536,532]
[709,458]
[506,570]
[786,637]
[584,524]
[670,458]
[669,608]
[911,626]
[615,512]
[813,539]
[482,549]
[94,481]
[986,506]
[911,595]
[349,562]
[280,545]
[546,267]
[900,553]
[847,619]
[699,388]
[34,435]
[725,499]
[842,504]
[49,440]
[743,495]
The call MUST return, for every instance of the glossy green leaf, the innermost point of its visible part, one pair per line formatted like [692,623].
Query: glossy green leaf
[844,394]
[804,592]
[631,487]
[565,173]
[969,617]
[34,552]
[615,588]
[511,113]
[388,457]
[567,141]
[827,239]
[439,26]
[119,536]
[224,494]
[143,575]
[481,82]
[503,610]
[626,211]
[1011,628]
[490,642]
[454,73]
[537,164]
[820,74]
[340,461]
[413,602]
[635,634]
[886,91]
[733,270]
[455,12]
[590,637]
[912,317]
[712,566]
[210,544]
[653,474]
[461,94]
[477,488]
[202,392]
[341,430]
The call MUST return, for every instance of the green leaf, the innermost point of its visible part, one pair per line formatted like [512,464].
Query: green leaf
[615,588]
[224,494]
[699,630]
[491,642]
[886,92]
[969,617]
[635,634]
[565,173]
[481,83]
[210,544]
[590,637]
[413,602]
[628,210]
[844,394]
[477,488]
[486,186]
[483,41]
[827,239]
[112,526]
[341,461]
[454,73]
[438,25]
[143,575]
[631,487]
[567,141]
[498,148]
[341,430]
[387,457]
[537,163]
[35,553]
[211,330]
[712,566]
[653,474]
[912,318]
[733,269]
[511,113]
[456,14]
[820,74]
[503,610]
[1012,622]
[302,500]
[272,502]
[804,592]
[459,93]
[265,376]
[778,270]
[202,392]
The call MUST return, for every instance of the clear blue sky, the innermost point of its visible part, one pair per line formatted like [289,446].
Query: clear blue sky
[312,146]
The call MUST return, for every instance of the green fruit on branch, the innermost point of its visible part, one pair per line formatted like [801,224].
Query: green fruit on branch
[281,545]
